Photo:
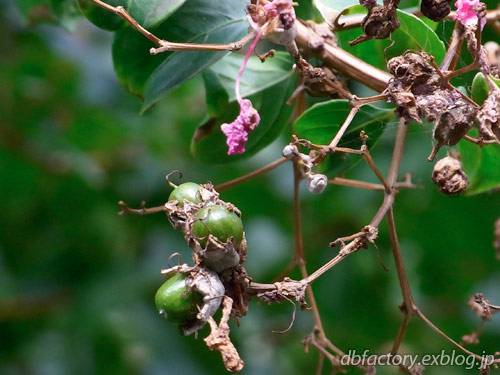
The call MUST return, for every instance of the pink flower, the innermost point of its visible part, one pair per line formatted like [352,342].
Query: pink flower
[238,130]
[466,13]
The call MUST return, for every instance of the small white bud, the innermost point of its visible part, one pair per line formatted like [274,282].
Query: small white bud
[290,152]
[316,183]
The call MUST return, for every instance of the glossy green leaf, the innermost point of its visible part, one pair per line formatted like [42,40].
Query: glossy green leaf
[150,13]
[209,143]
[198,21]
[480,88]
[320,123]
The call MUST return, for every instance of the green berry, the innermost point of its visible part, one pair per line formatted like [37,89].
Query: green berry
[219,222]
[188,191]
[101,17]
[176,301]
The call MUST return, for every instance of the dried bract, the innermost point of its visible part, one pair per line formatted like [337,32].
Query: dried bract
[449,176]
[496,242]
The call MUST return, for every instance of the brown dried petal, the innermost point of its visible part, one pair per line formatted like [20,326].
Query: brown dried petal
[436,10]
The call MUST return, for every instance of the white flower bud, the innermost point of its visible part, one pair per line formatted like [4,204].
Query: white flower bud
[316,183]
[290,152]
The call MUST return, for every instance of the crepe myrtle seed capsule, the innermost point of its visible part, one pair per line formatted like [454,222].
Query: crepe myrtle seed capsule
[449,176]
[176,301]
[316,183]
[189,191]
[220,223]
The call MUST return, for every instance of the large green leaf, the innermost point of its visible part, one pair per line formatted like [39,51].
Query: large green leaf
[200,21]
[413,34]
[321,122]
[209,143]
[482,164]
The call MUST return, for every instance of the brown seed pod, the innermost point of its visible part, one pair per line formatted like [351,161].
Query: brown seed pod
[436,10]
[449,176]
[379,23]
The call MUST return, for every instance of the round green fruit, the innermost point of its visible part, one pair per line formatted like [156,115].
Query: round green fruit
[219,222]
[176,302]
[101,17]
[188,191]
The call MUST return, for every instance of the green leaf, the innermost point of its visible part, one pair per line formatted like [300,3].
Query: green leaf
[481,164]
[321,122]
[413,34]
[216,95]
[101,17]
[480,88]
[196,21]
[150,13]
[209,143]
[257,75]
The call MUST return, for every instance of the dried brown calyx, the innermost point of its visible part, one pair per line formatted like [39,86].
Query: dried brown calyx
[436,10]
[449,176]
[418,90]
[380,21]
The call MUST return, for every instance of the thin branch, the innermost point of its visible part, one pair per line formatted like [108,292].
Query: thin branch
[139,211]
[164,45]
[401,334]
[343,128]
[248,176]
[368,185]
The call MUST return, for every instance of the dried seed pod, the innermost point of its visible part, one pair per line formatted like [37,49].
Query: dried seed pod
[379,23]
[436,10]
[453,125]
[449,176]
[316,183]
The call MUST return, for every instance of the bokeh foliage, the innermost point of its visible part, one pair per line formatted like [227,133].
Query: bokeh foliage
[77,281]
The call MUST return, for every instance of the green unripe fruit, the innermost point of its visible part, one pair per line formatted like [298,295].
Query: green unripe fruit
[188,191]
[101,17]
[219,222]
[176,302]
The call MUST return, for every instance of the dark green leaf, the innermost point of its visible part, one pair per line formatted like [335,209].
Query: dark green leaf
[101,17]
[209,143]
[320,123]
[198,21]
[216,94]
[150,13]
[480,88]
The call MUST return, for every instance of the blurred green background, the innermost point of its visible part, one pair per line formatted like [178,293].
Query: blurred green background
[77,280]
